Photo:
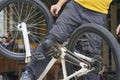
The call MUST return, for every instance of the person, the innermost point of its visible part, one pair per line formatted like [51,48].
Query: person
[75,13]
[118,30]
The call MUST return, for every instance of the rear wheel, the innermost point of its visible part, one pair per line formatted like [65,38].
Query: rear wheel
[34,14]
[80,43]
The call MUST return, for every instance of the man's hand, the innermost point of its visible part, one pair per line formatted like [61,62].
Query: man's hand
[118,31]
[55,9]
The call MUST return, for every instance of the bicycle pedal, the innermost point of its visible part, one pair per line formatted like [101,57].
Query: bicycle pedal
[38,56]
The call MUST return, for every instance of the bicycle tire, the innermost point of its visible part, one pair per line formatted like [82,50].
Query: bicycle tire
[105,34]
[37,17]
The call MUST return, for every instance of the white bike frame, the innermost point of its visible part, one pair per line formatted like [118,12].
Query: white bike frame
[82,71]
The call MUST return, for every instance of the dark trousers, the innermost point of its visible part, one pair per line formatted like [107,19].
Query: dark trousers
[72,17]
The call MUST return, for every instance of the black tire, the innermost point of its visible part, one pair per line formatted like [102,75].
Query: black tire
[37,17]
[105,34]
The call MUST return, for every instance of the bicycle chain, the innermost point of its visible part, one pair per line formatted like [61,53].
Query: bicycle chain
[58,47]
[82,60]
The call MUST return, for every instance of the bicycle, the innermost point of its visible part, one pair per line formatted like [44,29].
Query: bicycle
[84,64]
[74,60]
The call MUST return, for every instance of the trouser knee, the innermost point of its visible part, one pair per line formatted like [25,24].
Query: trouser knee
[47,44]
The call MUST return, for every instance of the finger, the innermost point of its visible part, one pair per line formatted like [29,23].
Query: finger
[118,31]
[53,12]
[118,36]
[57,12]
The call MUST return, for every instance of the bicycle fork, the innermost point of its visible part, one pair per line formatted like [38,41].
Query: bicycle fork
[23,27]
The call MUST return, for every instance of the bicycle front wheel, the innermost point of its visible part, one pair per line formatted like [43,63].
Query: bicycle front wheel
[34,14]
[80,43]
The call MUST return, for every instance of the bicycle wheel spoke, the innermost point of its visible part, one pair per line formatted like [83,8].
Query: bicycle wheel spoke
[16,11]
[37,19]
[21,9]
[30,13]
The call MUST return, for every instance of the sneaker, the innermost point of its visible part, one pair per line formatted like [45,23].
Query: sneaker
[26,76]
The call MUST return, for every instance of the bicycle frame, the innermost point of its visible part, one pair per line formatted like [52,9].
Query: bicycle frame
[75,57]
[82,71]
